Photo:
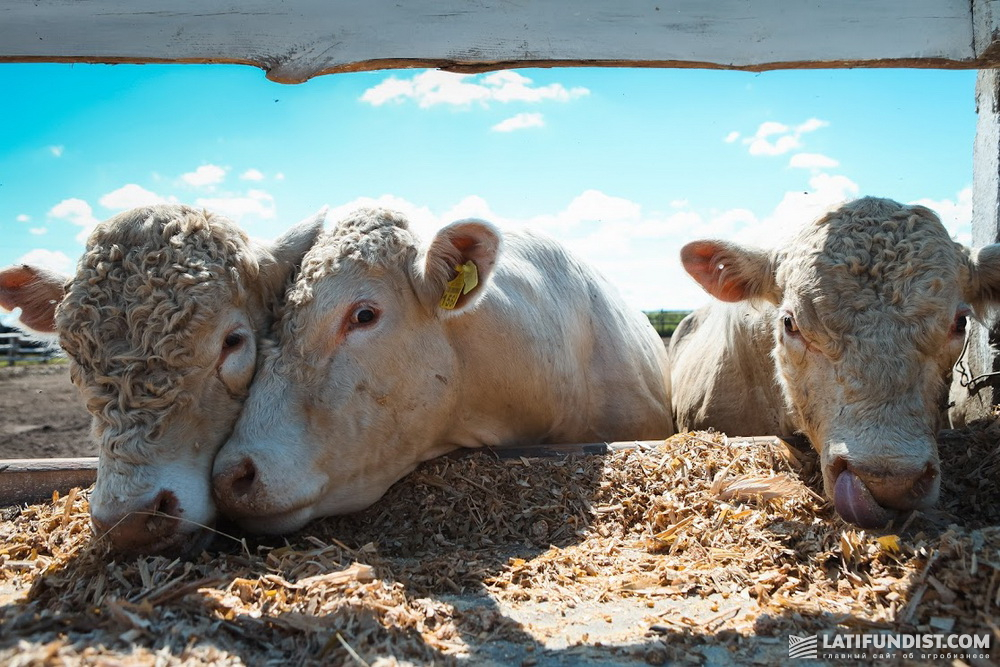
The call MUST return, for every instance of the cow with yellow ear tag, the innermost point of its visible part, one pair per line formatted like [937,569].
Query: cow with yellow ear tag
[390,352]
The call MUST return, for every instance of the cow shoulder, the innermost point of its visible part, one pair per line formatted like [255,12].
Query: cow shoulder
[723,375]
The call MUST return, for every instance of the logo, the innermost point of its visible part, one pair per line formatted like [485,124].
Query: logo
[803,647]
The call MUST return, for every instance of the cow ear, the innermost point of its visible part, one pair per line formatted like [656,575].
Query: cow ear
[280,259]
[36,292]
[986,270]
[731,272]
[458,265]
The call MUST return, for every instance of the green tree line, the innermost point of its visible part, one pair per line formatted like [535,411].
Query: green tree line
[665,321]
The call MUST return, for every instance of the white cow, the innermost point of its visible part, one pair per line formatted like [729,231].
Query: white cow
[161,323]
[373,374]
[848,334]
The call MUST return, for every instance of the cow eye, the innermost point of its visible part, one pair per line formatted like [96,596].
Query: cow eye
[232,341]
[959,325]
[364,315]
[791,328]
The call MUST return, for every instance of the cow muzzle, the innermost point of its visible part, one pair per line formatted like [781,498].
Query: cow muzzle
[235,488]
[152,527]
[872,497]
[242,493]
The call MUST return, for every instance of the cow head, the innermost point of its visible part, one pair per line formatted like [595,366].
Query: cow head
[869,306]
[161,323]
[362,379]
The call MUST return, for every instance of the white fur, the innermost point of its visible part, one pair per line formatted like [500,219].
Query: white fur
[874,289]
[544,350]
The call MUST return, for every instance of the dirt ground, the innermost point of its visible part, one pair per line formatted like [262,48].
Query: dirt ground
[42,414]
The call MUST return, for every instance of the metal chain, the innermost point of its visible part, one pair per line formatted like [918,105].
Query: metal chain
[973,384]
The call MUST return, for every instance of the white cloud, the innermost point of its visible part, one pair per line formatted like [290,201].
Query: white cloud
[49,259]
[955,214]
[57,151]
[74,210]
[433,87]
[726,224]
[472,206]
[796,208]
[812,161]
[78,212]
[785,139]
[811,125]
[389,90]
[731,137]
[280,176]
[519,122]
[596,205]
[23,217]
[37,231]
[254,203]
[206,174]
[783,144]
[130,196]
[767,128]
[422,221]
[509,86]
[252,175]
[638,250]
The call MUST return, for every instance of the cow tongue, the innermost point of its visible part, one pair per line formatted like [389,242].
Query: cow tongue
[854,503]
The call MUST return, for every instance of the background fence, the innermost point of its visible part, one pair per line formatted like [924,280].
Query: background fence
[665,321]
[15,348]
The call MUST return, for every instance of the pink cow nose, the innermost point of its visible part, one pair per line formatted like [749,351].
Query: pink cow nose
[234,487]
[872,497]
[141,529]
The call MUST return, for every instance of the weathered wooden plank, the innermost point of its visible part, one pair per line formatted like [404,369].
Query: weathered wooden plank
[602,448]
[297,39]
[974,390]
[34,480]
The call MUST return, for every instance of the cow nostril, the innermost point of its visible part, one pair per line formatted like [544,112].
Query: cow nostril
[143,528]
[163,514]
[165,504]
[243,478]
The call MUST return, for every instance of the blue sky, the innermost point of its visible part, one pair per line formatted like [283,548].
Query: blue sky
[624,165]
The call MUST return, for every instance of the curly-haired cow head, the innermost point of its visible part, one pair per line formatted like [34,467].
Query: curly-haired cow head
[161,323]
[851,329]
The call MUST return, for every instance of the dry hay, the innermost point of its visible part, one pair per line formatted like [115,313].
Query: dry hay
[709,550]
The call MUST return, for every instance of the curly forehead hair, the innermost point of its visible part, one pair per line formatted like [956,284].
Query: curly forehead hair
[147,279]
[368,236]
[877,256]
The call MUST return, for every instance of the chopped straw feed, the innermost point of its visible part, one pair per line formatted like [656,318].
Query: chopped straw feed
[699,550]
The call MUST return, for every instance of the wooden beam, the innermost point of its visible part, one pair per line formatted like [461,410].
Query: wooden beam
[298,39]
[603,448]
[34,480]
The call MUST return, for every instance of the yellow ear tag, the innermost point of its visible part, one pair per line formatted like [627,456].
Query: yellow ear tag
[463,283]
[471,274]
